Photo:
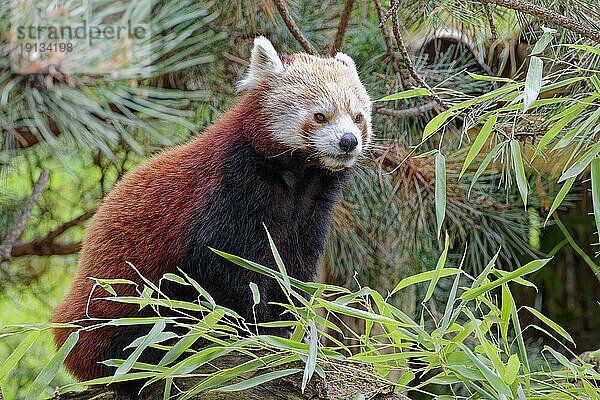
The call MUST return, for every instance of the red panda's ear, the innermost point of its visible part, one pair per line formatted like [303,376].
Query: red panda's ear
[345,59]
[265,65]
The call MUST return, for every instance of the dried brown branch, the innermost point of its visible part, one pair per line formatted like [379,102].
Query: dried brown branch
[44,248]
[386,38]
[549,16]
[19,224]
[341,31]
[409,64]
[67,225]
[408,112]
[26,138]
[293,27]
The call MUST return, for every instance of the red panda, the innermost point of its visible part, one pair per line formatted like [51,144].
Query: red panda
[279,157]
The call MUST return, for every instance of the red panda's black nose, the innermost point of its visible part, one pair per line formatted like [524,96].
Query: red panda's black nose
[348,142]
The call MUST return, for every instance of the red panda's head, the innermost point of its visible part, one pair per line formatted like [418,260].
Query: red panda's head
[312,104]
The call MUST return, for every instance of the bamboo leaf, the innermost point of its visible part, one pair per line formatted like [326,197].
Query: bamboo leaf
[557,328]
[355,312]
[227,375]
[440,191]
[200,289]
[492,377]
[50,370]
[449,306]
[311,361]
[158,327]
[580,165]
[517,159]
[423,277]
[489,78]
[533,82]
[407,94]
[477,282]
[279,262]
[512,369]
[543,41]
[437,272]
[480,140]
[524,270]
[557,127]
[18,353]
[252,266]
[505,312]
[560,196]
[582,130]
[255,293]
[596,191]
[562,359]
[175,278]
[484,164]
[583,47]
[435,123]
[208,322]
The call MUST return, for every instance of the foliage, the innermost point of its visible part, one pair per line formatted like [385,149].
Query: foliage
[474,348]
[518,146]
[111,103]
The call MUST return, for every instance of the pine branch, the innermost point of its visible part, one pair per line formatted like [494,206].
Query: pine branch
[408,62]
[386,38]
[547,15]
[491,23]
[19,224]
[343,25]
[293,27]
[392,11]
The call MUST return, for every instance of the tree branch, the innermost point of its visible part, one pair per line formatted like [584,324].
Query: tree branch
[69,224]
[408,112]
[490,18]
[344,380]
[293,28]
[393,10]
[44,248]
[408,62]
[547,15]
[47,246]
[386,38]
[19,224]
[339,36]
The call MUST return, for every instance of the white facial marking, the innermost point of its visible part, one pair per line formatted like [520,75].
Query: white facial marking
[326,141]
[324,105]
[265,65]
[307,85]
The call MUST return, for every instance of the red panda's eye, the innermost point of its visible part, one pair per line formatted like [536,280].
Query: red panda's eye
[320,118]
[358,118]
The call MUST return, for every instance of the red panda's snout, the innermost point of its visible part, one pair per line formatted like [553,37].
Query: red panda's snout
[337,142]
[314,105]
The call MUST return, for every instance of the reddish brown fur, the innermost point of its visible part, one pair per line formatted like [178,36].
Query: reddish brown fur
[182,177]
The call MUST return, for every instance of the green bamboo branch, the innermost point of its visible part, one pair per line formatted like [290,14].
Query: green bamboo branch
[578,249]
